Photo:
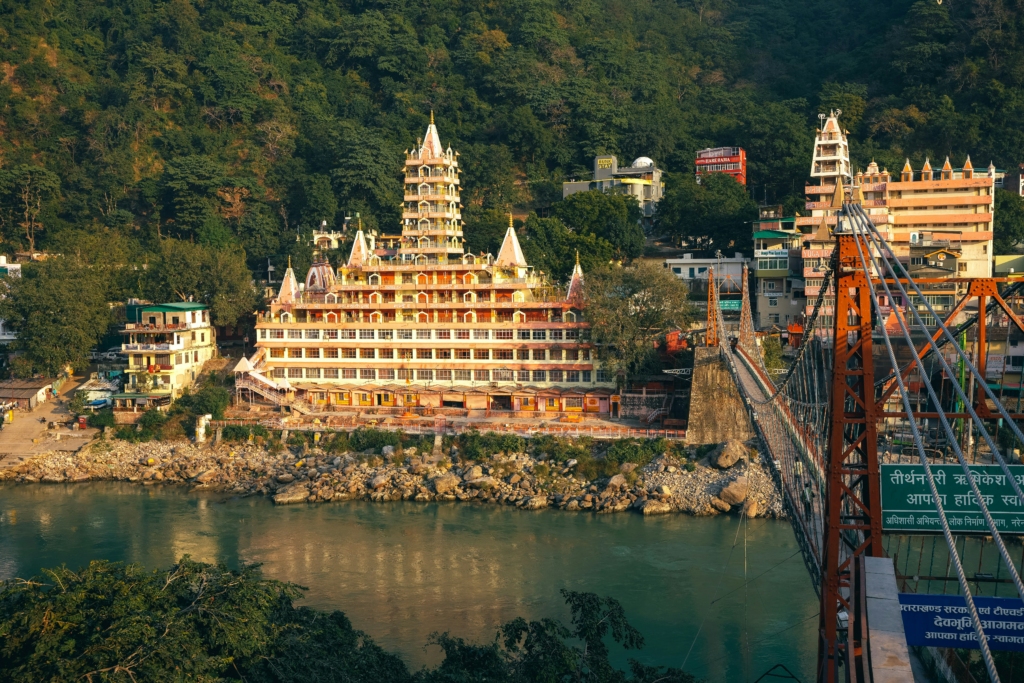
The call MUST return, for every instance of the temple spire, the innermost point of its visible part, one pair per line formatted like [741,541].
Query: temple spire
[360,251]
[289,291]
[575,293]
[511,254]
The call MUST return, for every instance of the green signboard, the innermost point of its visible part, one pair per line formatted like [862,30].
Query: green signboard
[730,304]
[907,500]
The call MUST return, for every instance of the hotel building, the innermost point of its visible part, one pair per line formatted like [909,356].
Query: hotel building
[415,321]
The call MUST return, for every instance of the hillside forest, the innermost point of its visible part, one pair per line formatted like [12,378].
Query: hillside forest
[177,148]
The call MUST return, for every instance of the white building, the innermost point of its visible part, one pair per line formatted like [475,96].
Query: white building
[694,271]
[7,270]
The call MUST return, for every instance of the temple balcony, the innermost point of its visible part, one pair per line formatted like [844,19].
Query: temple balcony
[414,178]
[449,215]
[432,197]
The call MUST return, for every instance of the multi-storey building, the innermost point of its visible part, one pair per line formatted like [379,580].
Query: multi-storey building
[729,160]
[166,345]
[642,181]
[412,320]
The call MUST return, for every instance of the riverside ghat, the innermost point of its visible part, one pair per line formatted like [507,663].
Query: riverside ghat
[721,480]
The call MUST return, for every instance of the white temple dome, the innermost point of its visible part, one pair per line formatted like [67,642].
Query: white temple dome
[643,162]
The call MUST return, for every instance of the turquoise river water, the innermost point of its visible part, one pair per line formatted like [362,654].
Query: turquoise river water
[404,570]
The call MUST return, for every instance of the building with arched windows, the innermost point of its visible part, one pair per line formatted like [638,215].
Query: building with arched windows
[421,322]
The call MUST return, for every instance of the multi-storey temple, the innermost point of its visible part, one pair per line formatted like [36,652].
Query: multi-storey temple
[412,320]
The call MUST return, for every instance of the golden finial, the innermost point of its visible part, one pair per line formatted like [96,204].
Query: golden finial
[510,219]
[577,258]
[431,117]
[289,262]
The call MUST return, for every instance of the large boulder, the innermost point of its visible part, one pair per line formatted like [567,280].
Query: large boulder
[296,493]
[736,492]
[207,476]
[387,451]
[535,503]
[617,481]
[285,478]
[446,483]
[627,467]
[729,453]
[750,509]
[655,507]
[482,483]
[380,481]
[720,504]
[474,472]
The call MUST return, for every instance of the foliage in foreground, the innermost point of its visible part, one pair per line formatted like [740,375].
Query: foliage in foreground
[195,621]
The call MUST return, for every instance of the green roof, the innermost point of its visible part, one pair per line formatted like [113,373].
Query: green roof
[770,234]
[173,307]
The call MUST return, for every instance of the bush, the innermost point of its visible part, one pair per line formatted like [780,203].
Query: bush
[365,438]
[242,432]
[560,449]
[104,418]
[475,446]
[209,400]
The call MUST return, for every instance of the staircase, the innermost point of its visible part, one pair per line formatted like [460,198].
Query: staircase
[272,394]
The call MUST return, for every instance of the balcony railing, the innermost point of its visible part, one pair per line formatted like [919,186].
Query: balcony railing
[153,347]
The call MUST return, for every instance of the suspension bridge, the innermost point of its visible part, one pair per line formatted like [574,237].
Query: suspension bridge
[880,378]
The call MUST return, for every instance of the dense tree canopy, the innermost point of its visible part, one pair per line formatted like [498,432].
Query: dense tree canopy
[199,622]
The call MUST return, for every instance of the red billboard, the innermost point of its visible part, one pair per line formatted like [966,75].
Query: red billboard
[729,160]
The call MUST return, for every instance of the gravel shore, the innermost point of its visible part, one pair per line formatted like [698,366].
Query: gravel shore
[663,486]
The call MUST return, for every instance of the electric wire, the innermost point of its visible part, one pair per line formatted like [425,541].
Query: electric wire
[954,556]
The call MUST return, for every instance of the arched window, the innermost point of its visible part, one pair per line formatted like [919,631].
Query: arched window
[374,280]
[469,297]
[332,317]
[469,317]
[569,317]
[519,317]
[376,317]
[422,317]
[286,317]
[422,298]
[375,298]
[331,298]
[424,188]
[423,279]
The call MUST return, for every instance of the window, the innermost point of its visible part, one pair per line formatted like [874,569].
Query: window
[385,353]
[555,335]
[312,353]
[330,334]
[405,334]
[916,261]
[586,354]
[274,334]
[366,334]
[773,317]
[274,353]
[539,354]
[552,404]
[295,334]
[572,376]
[523,354]
[602,376]
[330,353]
[482,375]
[385,374]
[312,334]
[572,334]
[443,334]
[961,267]
[405,354]
[367,373]
[586,375]
[295,373]
[404,373]
[277,372]
[312,373]
[524,376]
[573,401]
[330,373]
[773,264]
[769,286]
[444,375]
[367,353]
[463,375]
[555,354]
[425,374]
[677,271]
[524,334]
[540,334]
[462,334]
[385,334]
[348,373]
[503,354]
[295,353]
[423,334]
[692,273]
[540,375]
[348,353]
[348,334]
[773,302]
[572,354]
[481,334]
[502,375]
[443,354]
[503,334]
[482,354]
[462,354]
[555,375]
[424,354]
[407,278]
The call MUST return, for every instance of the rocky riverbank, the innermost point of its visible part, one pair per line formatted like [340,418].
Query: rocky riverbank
[722,482]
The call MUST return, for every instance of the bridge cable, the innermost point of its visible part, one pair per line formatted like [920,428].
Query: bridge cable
[954,556]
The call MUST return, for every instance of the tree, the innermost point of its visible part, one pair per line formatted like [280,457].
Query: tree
[712,214]
[549,247]
[629,309]
[218,278]
[612,217]
[484,229]
[58,310]
[27,189]
[1009,221]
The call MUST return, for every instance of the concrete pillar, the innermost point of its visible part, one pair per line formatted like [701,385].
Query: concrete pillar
[284,436]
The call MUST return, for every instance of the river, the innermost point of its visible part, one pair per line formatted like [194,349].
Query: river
[403,570]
